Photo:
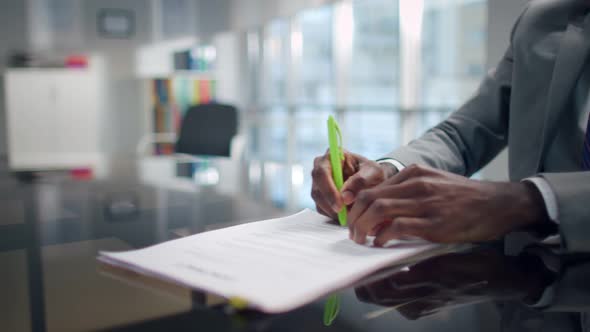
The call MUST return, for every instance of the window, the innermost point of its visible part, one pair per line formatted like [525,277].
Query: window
[371,132]
[312,52]
[374,64]
[371,124]
[345,59]
[275,62]
[453,51]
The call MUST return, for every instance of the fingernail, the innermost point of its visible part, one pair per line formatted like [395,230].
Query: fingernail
[336,207]
[348,197]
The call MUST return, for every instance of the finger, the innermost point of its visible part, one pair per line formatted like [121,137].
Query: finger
[376,229]
[359,236]
[405,226]
[368,176]
[402,192]
[328,213]
[322,204]
[351,164]
[382,210]
[322,179]
[352,186]
[413,188]
[407,173]
[364,200]
[407,195]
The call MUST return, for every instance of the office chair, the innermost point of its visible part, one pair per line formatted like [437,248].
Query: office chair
[208,130]
[205,130]
[208,133]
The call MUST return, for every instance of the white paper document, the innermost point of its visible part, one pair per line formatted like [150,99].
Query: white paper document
[276,265]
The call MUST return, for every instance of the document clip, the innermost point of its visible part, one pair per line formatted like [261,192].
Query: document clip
[339,136]
[238,303]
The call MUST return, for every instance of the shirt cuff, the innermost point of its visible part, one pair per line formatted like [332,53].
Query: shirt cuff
[399,166]
[548,197]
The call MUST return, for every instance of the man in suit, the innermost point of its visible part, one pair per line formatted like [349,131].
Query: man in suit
[536,102]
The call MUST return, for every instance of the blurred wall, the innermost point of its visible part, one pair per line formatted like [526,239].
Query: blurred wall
[501,17]
[13,36]
[71,26]
[122,126]
[213,17]
[253,13]
[67,26]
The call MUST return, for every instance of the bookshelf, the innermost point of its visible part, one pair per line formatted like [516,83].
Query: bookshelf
[171,97]
[185,72]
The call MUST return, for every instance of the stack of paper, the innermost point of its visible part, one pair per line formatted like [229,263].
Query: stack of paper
[275,265]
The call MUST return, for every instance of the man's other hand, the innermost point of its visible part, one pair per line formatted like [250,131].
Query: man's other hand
[442,207]
[359,174]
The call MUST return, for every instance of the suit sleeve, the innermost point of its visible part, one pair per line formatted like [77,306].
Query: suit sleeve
[572,191]
[474,134]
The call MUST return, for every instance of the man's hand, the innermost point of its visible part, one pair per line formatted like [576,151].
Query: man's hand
[442,207]
[359,173]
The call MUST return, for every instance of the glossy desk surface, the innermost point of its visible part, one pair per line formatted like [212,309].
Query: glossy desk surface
[50,280]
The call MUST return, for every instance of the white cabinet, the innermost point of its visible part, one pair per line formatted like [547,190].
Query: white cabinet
[53,118]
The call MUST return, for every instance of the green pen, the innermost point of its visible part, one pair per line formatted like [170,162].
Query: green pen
[336,159]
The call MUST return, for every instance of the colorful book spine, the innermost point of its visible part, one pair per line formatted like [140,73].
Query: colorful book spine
[171,98]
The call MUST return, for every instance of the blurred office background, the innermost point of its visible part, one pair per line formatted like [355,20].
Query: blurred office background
[100,87]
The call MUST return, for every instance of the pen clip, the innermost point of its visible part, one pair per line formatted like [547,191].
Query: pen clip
[339,134]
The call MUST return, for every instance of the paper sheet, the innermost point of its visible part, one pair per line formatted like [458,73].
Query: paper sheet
[276,265]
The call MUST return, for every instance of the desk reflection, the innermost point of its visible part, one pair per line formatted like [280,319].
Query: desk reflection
[535,290]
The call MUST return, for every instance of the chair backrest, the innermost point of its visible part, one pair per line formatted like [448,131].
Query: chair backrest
[208,129]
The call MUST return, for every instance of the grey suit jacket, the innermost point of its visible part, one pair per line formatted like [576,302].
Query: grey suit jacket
[520,104]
